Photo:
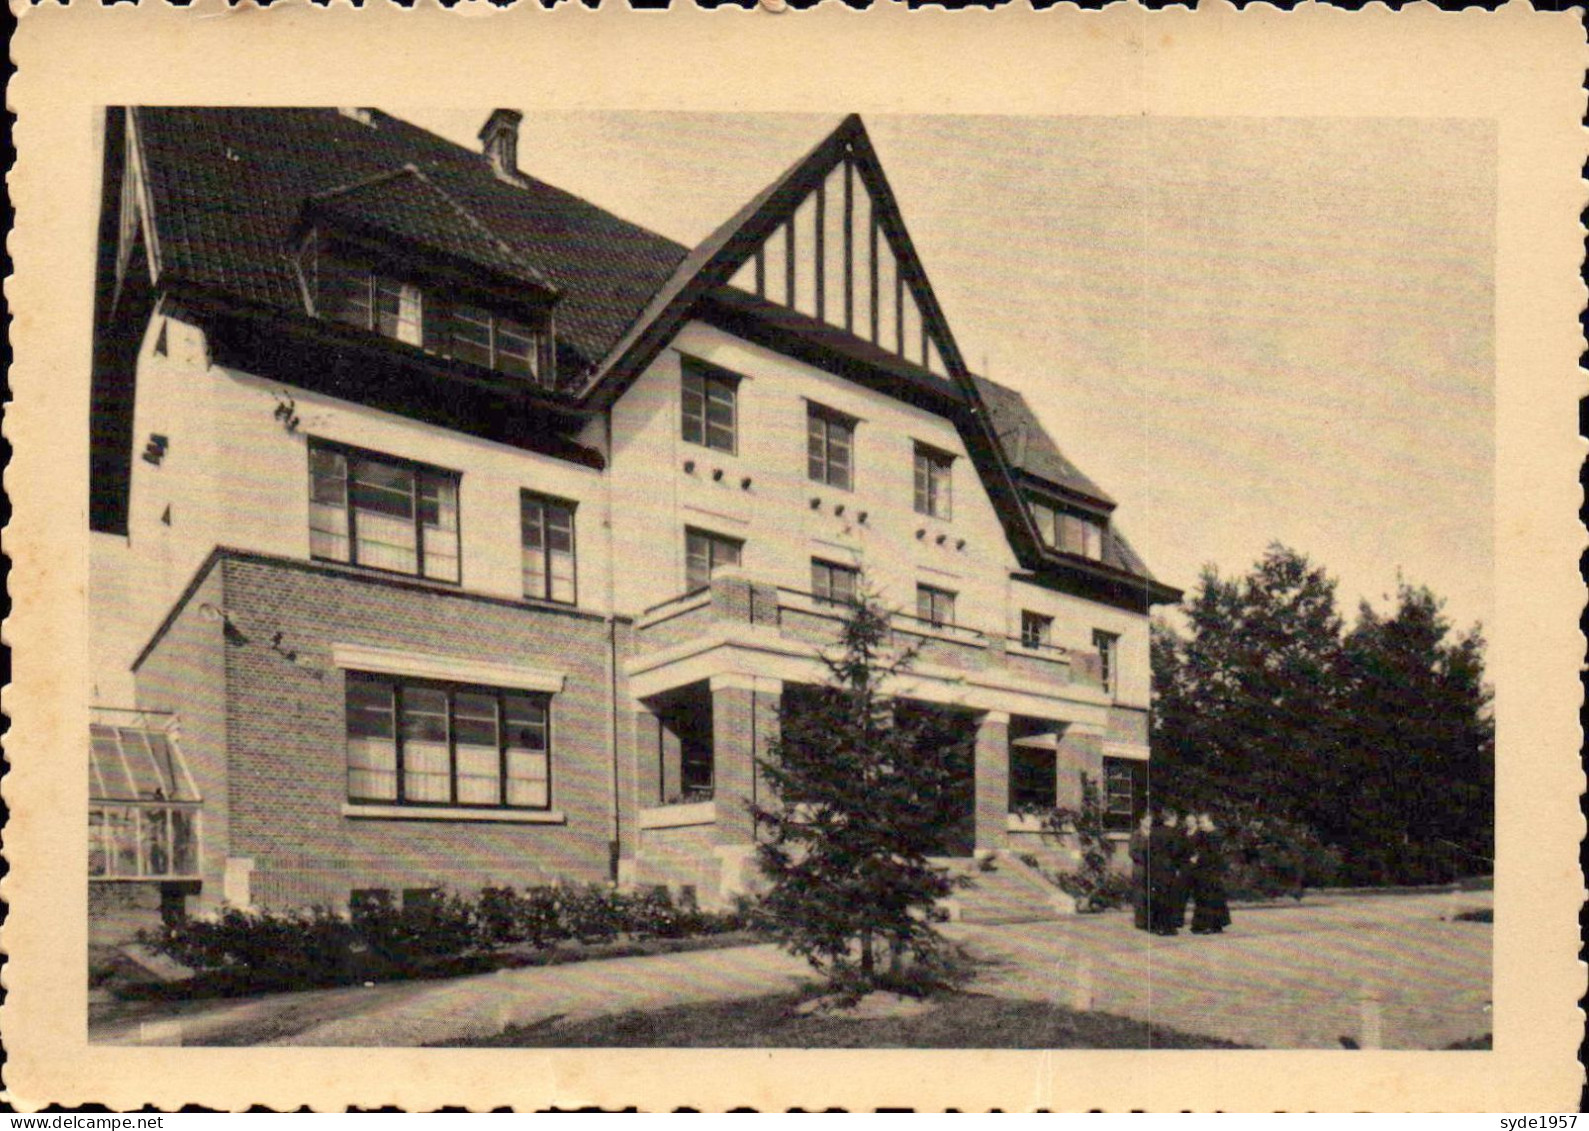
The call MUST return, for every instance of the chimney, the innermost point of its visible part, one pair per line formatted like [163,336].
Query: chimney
[499,140]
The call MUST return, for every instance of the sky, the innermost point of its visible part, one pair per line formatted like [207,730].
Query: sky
[1246,330]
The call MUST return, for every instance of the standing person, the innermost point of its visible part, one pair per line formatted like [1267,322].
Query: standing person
[1166,852]
[1180,849]
[1141,901]
[1211,911]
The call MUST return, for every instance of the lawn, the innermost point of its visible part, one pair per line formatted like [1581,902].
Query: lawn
[960,1020]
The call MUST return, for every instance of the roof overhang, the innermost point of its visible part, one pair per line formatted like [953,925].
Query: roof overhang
[365,368]
[1085,577]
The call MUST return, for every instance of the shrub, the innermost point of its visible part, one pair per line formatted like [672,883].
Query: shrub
[590,913]
[436,925]
[1094,893]
[508,917]
[379,937]
[1270,856]
[1094,886]
[292,948]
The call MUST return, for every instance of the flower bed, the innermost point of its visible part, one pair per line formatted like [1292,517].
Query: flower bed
[445,933]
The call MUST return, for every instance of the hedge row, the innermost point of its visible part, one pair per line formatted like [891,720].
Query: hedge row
[380,937]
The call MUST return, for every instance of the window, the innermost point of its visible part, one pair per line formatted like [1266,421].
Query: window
[1107,645]
[1037,630]
[1072,533]
[1125,792]
[830,444]
[932,482]
[696,781]
[710,410]
[412,742]
[1083,536]
[351,291]
[482,338]
[1047,519]
[935,606]
[705,554]
[382,513]
[355,293]
[834,584]
[1033,779]
[547,535]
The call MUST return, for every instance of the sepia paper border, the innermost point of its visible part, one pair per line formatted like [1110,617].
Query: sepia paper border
[1520,69]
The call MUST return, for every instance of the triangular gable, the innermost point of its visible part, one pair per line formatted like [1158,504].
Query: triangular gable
[842,167]
[867,280]
[838,256]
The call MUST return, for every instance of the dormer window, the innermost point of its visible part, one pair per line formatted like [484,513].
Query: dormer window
[346,288]
[1069,531]
[476,335]
[361,296]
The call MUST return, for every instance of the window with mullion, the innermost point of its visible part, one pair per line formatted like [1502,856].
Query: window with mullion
[547,527]
[384,514]
[1047,519]
[1037,630]
[935,606]
[1125,788]
[412,742]
[709,407]
[704,554]
[1107,645]
[829,447]
[932,482]
[834,584]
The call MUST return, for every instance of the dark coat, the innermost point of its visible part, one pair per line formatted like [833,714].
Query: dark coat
[1140,900]
[1167,852]
[1211,908]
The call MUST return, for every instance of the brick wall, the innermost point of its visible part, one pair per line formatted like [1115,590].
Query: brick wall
[285,722]
[186,675]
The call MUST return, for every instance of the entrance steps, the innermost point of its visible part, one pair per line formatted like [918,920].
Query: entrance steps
[1003,890]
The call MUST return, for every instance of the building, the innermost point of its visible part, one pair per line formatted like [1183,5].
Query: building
[454,532]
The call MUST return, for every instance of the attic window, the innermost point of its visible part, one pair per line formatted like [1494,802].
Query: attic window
[350,290]
[1069,532]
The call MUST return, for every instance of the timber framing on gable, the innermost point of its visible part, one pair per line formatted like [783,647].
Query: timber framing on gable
[736,253]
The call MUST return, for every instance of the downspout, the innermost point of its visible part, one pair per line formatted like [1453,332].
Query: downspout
[615,850]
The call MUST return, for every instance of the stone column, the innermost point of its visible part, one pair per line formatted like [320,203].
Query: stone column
[744,724]
[992,779]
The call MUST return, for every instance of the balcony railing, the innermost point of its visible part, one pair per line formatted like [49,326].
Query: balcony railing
[813,619]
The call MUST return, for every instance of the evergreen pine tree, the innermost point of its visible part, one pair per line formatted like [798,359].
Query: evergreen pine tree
[864,791]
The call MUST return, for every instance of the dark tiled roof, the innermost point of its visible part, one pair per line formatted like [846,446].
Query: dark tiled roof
[1029,447]
[228,185]
[407,204]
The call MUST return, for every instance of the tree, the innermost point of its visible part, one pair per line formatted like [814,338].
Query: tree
[1421,754]
[1245,701]
[1378,741]
[863,793]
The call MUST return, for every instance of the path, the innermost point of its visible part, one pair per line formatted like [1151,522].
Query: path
[1385,969]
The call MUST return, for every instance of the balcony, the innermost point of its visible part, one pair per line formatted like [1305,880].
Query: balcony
[770,628]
